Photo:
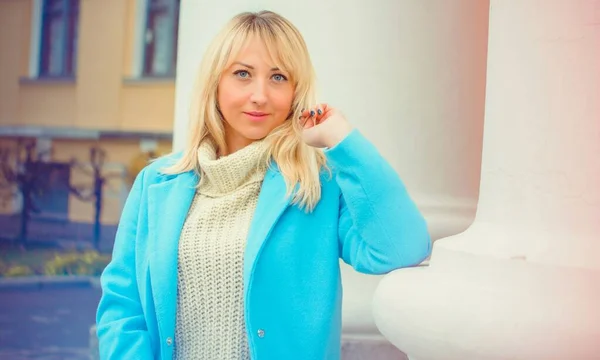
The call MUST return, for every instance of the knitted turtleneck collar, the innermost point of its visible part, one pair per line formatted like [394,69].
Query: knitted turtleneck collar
[227,174]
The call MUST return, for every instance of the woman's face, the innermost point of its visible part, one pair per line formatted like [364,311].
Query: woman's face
[254,96]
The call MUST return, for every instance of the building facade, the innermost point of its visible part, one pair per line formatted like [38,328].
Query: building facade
[78,75]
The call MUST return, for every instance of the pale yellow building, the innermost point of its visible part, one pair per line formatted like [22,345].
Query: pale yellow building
[76,74]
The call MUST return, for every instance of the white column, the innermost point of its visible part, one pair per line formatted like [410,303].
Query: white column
[410,76]
[523,282]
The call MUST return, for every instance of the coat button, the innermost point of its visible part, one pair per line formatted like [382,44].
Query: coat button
[169,341]
[261,333]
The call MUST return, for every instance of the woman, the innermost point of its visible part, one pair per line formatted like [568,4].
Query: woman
[230,250]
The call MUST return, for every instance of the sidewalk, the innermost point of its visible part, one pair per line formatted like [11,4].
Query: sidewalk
[43,318]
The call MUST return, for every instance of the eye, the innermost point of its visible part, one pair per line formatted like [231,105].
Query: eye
[279,78]
[242,74]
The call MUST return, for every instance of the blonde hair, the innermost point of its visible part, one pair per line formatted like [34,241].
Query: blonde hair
[299,163]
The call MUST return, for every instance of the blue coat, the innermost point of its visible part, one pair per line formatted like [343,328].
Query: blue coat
[292,285]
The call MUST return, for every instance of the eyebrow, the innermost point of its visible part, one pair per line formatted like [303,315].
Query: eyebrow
[252,67]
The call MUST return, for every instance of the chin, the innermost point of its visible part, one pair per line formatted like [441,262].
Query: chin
[256,134]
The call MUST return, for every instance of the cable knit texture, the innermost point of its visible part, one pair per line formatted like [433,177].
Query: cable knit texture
[210,309]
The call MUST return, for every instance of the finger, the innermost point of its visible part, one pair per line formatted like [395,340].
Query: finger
[319,112]
[326,112]
[304,114]
[305,119]
[312,117]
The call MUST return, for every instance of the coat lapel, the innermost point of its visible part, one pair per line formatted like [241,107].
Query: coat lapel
[272,202]
[168,205]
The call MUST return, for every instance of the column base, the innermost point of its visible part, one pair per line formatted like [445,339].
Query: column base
[476,306]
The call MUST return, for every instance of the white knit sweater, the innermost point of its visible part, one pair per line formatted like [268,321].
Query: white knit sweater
[210,308]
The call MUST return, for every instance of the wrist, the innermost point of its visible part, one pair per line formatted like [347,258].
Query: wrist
[336,137]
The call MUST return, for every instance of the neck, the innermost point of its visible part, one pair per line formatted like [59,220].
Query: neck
[233,142]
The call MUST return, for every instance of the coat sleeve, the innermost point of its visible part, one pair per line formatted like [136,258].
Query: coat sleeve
[121,328]
[380,227]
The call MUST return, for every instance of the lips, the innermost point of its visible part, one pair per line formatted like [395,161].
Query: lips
[256,115]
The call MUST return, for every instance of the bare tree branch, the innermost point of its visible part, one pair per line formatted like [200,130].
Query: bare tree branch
[80,167]
[78,192]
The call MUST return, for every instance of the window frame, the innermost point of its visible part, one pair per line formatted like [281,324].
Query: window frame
[69,14]
[172,8]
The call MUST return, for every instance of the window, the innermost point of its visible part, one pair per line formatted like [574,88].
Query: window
[160,38]
[53,199]
[59,38]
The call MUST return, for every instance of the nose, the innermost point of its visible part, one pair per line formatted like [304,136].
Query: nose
[259,92]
